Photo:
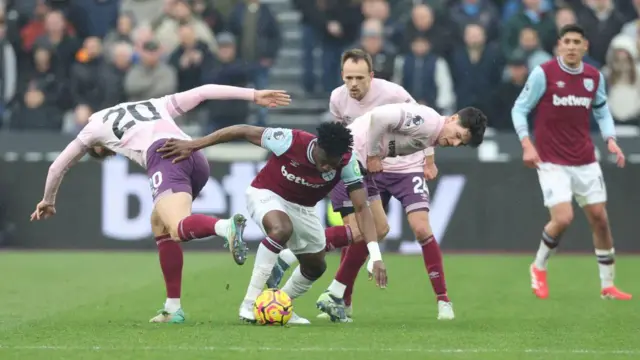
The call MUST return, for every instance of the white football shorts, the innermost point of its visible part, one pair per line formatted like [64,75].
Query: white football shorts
[560,183]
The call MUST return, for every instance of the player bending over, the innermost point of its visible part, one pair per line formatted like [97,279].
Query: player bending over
[282,199]
[404,178]
[563,91]
[136,130]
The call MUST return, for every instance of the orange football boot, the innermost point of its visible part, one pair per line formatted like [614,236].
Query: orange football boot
[613,293]
[539,282]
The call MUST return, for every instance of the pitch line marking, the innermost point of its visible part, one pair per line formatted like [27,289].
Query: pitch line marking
[320,349]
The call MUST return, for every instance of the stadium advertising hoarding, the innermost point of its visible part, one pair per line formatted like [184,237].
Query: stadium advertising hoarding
[476,206]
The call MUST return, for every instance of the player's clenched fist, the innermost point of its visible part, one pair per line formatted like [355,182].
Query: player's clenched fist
[43,211]
[530,157]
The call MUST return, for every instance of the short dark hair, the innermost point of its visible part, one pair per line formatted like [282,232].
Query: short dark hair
[357,55]
[571,28]
[476,121]
[335,139]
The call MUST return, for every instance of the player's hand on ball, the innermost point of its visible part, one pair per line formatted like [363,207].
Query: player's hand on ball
[380,274]
[613,147]
[180,149]
[43,211]
[374,164]
[272,98]
[530,157]
[430,171]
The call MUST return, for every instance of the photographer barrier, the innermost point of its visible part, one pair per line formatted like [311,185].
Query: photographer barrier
[474,207]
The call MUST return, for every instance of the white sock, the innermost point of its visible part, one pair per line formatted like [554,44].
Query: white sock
[606,265]
[172,305]
[297,284]
[543,255]
[337,289]
[265,261]
[222,226]
[288,256]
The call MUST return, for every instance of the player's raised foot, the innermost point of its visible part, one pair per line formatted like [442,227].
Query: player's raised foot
[234,239]
[348,310]
[539,282]
[612,293]
[277,274]
[298,320]
[445,310]
[246,313]
[164,316]
[333,307]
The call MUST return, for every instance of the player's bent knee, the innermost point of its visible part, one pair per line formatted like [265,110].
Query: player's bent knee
[597,215]
[280,230]
[562,215]
[171,209]
[315,270]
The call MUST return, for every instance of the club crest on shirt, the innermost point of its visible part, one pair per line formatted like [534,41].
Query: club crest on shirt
[588,84]
[329,175]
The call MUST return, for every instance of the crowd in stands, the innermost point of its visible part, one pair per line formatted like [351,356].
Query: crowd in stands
[454,53]
[60,60]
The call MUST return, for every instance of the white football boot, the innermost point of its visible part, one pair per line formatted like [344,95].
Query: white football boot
[445,310]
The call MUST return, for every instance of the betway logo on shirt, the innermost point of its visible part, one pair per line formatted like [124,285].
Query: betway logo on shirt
[571,100]
[297,179]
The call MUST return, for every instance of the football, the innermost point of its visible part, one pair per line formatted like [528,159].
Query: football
[273,307]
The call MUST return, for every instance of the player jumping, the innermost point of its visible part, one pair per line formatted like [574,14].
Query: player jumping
[136,130]
[404,178]
[563,91]
[282,199]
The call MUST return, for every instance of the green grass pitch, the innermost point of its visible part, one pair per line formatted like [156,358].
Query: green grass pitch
[96,306]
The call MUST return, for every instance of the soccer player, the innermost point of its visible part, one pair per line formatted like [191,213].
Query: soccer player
[282,198]
[136,130]
[404,178]
[563,92]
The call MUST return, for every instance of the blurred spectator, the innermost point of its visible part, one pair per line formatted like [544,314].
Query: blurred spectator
[86,83]
[144,11]
[426,76]
[507,93]
[481,12]
[259,40]
[476,69]
[622,74]
[532,15]
[8,69]
[566,16]
[36,26]
[119,64]
[511,7]
[341,21]
[64,46]
[601,22]
[207,12]
[122,32]
[529,45]
[189,59]
[41,97]
[379,9]
[93,17]
[181,14]
[226,69]
[632,28]
[423,24]
[151,78]
[141,35]
[373,42]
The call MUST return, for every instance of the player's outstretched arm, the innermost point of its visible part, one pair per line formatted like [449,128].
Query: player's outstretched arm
[69,156]
[354,182]
[182,102]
